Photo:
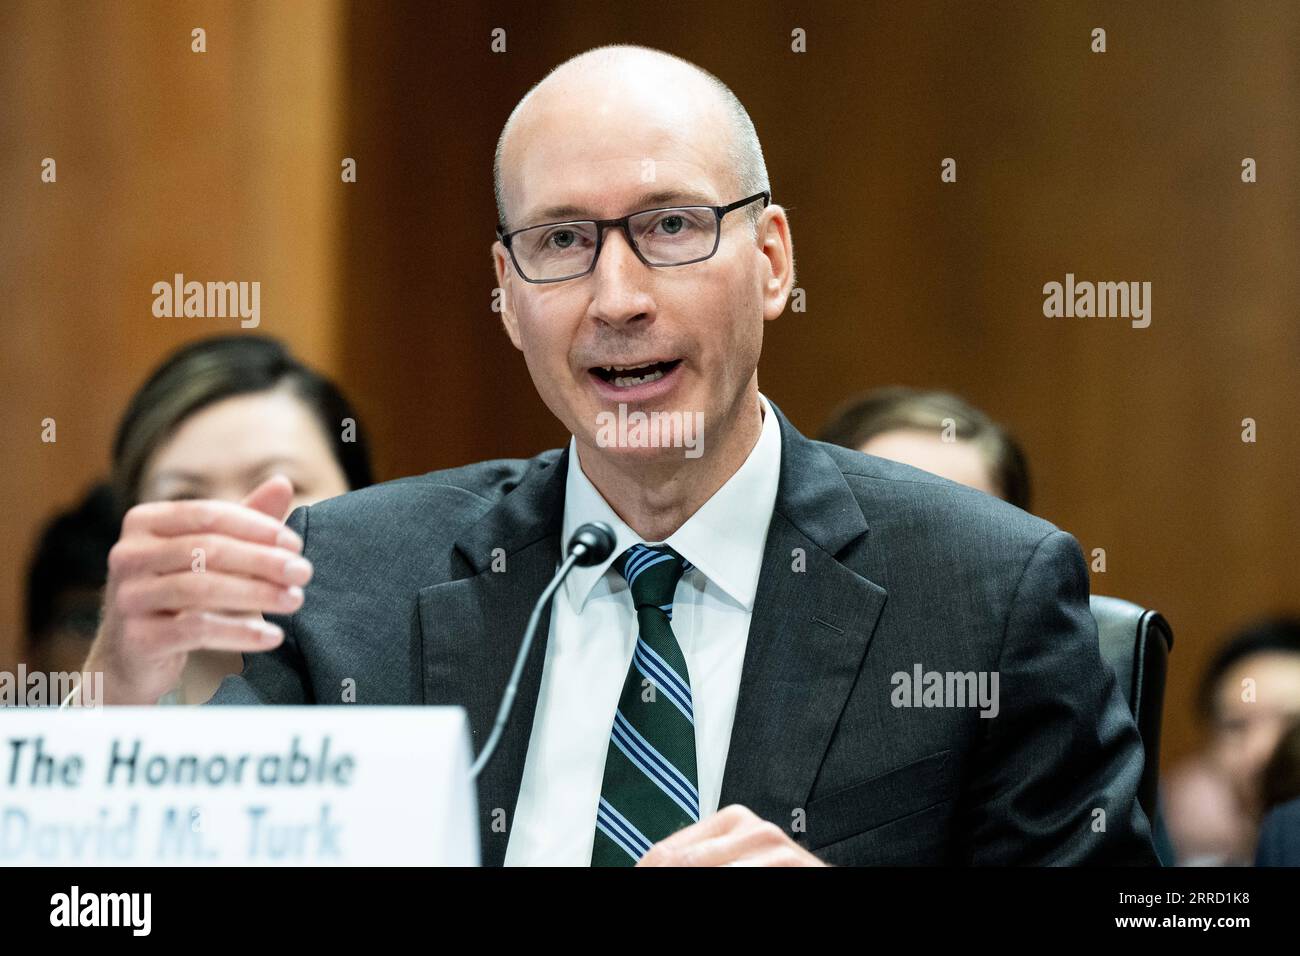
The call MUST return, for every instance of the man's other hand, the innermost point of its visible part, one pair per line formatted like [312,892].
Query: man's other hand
[734,836]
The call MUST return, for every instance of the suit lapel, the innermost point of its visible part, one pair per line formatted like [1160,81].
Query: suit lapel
[813,619]
[471,629]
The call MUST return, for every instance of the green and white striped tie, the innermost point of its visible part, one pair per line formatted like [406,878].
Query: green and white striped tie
[649,790]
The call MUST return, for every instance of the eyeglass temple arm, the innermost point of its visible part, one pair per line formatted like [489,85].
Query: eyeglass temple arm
[766,197]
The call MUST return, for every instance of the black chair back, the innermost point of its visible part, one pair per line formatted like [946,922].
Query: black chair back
[1136,643]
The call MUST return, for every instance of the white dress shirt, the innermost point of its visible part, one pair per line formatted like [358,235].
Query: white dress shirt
[593,636]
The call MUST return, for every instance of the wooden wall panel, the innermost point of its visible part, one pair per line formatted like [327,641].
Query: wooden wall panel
[221,165]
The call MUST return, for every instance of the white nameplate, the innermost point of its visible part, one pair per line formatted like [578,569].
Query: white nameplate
[205,786]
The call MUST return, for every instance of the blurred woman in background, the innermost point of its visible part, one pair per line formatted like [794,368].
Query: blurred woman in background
[1249,698]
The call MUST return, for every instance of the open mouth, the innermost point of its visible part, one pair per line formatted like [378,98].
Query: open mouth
[630,376]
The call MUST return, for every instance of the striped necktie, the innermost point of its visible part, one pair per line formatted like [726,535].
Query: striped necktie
[649,790]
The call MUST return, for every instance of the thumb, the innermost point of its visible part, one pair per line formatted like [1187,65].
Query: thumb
[272,497]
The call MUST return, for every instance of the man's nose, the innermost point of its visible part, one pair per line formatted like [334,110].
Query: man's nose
[621,279]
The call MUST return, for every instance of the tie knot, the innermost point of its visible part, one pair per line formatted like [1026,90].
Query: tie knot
[651,573]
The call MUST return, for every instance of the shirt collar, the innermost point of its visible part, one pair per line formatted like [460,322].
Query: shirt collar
[724,539]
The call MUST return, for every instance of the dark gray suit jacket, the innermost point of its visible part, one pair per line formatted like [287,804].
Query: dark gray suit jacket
[871,568]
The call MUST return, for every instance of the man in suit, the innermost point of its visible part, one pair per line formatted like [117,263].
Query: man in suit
[856,661]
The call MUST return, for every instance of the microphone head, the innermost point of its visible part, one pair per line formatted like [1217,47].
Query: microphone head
[592,543]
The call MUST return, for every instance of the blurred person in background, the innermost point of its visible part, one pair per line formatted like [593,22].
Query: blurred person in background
[65,582]
[215,421]
[1279,838]
[1279,835]
[1280,779]
[1250,697]
[936,432]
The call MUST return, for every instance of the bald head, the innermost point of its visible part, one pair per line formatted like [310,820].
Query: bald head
[590,94]
[610,133]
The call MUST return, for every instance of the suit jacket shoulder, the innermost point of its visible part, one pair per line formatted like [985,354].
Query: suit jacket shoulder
[373,550]
[911,597]
[453,495]
[933,506]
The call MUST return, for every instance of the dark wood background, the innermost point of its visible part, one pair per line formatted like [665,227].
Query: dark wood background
[1116,166]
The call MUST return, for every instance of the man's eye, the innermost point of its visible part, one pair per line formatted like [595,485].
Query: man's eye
[678,225]
[563,239]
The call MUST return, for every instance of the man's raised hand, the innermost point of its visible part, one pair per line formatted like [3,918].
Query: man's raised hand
[186,575]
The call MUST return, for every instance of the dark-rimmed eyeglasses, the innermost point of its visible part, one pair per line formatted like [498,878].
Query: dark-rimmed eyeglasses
[671,236]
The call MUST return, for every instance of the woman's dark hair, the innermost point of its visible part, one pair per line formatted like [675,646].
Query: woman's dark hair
[212,369]
[1270,635]
[71,555]
[898,407]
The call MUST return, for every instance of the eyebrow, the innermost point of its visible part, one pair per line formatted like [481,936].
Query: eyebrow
[198,478]
[650,200]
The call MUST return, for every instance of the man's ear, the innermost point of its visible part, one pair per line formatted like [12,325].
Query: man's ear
[777,250]
[505,290]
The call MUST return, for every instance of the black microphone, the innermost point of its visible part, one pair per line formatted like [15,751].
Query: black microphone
[591,544]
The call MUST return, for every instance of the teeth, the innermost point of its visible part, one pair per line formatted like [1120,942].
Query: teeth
[627,381]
